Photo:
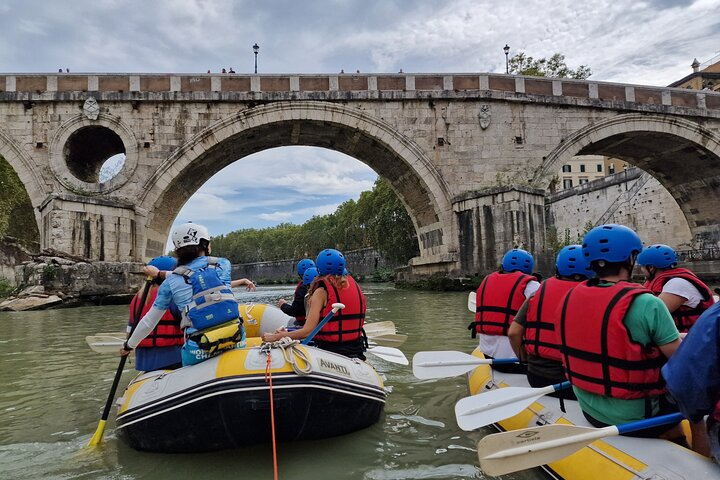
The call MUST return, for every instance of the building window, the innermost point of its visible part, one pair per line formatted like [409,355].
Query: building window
[567,183]
[599,167]
[611,169]
[567,168]
[582,167]
[583,180]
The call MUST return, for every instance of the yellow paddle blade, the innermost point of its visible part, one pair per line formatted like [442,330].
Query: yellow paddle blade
[98,435]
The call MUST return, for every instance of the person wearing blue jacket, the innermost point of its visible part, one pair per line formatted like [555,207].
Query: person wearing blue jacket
[201,288]
[693,375]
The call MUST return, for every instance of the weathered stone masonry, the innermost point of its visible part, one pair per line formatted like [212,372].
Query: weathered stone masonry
[469,154]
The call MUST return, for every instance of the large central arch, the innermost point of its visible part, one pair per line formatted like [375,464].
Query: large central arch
[683,155]
[319,124]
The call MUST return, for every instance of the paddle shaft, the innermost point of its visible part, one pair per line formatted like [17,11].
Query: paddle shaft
[479,361]
[322,323]
[97,437]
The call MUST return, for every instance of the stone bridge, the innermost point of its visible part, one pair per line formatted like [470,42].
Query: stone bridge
[470,155]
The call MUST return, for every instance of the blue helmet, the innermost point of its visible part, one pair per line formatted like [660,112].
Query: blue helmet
[658,255]
[303,265]
[330,262]
[518,259]
[309,275]
[611,243]
[571,261]
[164,263]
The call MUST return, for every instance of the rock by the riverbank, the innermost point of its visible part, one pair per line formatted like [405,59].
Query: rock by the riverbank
[33,302]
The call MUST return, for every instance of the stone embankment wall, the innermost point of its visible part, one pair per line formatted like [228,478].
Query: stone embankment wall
[11,255]
[632,198]
[363,262]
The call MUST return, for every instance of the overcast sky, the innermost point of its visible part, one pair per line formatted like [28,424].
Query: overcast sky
[642,42]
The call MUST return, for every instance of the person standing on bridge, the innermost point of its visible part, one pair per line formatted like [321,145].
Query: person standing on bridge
[682,292]
[200,287]
[344,333]
[297,307]
[498,299]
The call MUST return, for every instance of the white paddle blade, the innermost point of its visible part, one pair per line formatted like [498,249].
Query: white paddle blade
[105,343]
[379,328]
[487,408]
[472,298]
[392,355]
[516,450]
[444,363]
[388,340]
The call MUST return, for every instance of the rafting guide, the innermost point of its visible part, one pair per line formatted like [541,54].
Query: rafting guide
[201,288]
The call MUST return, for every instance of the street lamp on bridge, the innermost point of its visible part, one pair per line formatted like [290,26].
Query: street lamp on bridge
[506,48]
[256,49]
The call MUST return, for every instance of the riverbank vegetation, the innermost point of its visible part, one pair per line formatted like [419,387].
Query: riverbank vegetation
[17,219]
[377,219]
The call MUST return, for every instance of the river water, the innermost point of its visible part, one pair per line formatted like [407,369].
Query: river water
[53,389]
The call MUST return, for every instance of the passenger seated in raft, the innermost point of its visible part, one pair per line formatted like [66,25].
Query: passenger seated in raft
[297,307]
[160,350]
[200,287]
[693,376]
[344,333]
[499,297]
[615,336]
[533,331]
[682,292]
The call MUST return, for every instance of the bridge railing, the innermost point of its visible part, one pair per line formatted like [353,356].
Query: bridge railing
[696,255]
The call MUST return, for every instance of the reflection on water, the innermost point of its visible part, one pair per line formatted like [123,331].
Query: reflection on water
[54,389]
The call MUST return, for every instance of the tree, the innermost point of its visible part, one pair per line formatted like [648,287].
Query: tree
[555,66]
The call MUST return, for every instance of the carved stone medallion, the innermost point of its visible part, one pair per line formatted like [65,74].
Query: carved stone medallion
[484,116]
[91,109]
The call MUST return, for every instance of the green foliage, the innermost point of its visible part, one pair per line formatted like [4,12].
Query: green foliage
[555,67]
[382,275]
[17,218]
[378,219]
[5,288]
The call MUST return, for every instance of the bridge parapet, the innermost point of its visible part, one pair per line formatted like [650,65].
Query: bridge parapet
[234,87]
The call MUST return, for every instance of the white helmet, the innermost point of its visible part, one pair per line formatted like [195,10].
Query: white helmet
[189,234]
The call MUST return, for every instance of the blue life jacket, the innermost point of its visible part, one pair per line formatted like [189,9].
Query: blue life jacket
[213,302]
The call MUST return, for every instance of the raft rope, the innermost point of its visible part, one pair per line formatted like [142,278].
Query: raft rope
[292,352]
[268,378]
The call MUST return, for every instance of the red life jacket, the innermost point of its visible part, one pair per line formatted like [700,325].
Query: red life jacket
[542,318]
[167,332]
[598,353]
[301,319]
[685,317]
[499,297]
[346,325]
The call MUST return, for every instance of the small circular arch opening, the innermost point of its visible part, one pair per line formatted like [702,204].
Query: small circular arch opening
[89,148]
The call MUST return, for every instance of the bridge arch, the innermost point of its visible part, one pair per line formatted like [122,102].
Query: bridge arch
[26,170]
[683,155]
[320,124]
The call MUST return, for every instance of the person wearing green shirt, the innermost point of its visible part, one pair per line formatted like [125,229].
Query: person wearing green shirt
[615,336]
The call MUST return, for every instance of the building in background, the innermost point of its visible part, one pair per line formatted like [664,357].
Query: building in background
[582,169]
[705,76]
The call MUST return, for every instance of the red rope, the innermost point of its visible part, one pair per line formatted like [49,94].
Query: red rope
[268,378]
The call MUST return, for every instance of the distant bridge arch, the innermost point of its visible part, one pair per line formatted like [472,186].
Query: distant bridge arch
[683,155]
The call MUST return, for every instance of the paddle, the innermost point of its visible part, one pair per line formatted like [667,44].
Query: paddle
[379,328]
[392,355]
[335,308]
[515,450]
[105,343]
[448,363]
[472,298]
[98,435]
[388,340]
[485,408]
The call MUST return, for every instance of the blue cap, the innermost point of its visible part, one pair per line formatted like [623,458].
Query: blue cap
[571,261]
[330,262]
[309,275]
[304,265]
